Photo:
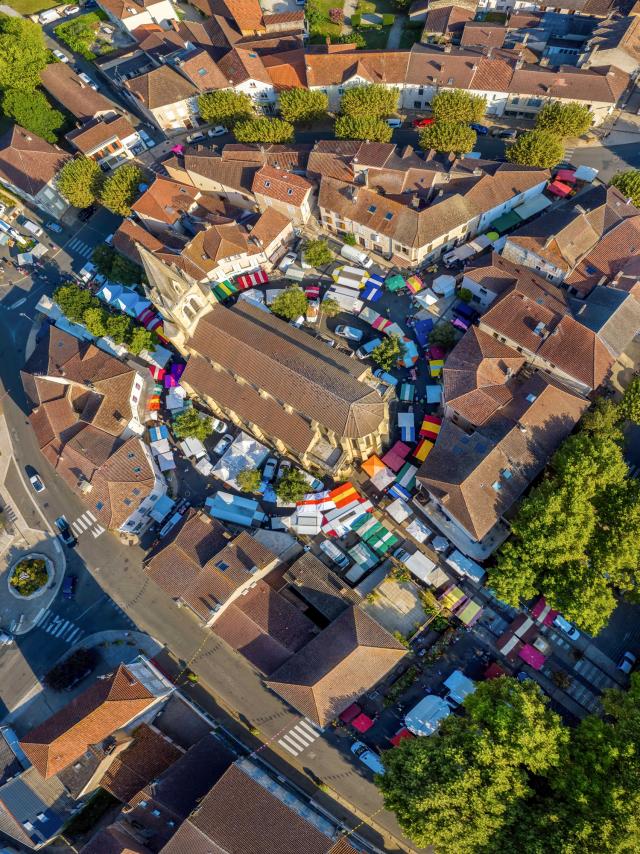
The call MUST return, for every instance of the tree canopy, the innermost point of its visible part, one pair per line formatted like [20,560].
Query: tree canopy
[121,188]
[141,339]
[33,111]
[448,136]
[386,354]
[73,301]
[330,307]
[116,267]
[628,182]
[192,424]
[317,252]
[303,105]
[363,127]
[372,102]
[459,789]
[576,536]
[290,304]
[292,485]
[80,181]
[630,404]
[571,119]
[95,319]
[540,148]
[249,480]
[456,105]
[443,335]
[263,130]
[225,107]
[23,53]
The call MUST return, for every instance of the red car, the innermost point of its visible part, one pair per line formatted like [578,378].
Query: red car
[422,123]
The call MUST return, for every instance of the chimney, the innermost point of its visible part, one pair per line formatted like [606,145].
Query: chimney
[415,201]
[519,63]
[447,48]
[354,194]
[521,427]
[489,53]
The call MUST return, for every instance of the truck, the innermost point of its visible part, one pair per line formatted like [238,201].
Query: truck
[368,348]
[334,554]
[465,566]
[31,227]
[356,255]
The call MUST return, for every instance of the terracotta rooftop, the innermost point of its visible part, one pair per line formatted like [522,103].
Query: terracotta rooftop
[114,840]
[100,132]
[240,65]
[286,70]
[203,72]
[148,755]
[281,186]
[480,33]
[161,87]
[76,96]
[316,584]
[165,201]
[339,665]
[128,234]
[27,161]
[107,705]
[447,19]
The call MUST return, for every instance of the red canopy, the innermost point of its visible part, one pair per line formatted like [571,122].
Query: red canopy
[532,656]
[543,613]
[362,722]
[557,188]
[396,455]
[566,175]
[252,279]
[313,291]
[350,713]
[493,671]
[399,736]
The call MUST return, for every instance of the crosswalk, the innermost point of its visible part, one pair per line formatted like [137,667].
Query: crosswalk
[300,736]
[78,247]
[87,523]
[58,627]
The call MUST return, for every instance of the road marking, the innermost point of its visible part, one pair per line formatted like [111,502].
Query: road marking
[97,531]
[40,616]
[79,247]
[281,741]
[71,637]
[315,731]
[91,516]
[299,742]
[80,523]
[300,736]
[60,629]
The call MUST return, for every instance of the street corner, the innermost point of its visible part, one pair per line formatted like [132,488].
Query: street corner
[33,568]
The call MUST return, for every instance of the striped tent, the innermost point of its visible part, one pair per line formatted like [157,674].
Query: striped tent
[407,392]
[407,476]
[250,280]
[415,284]
[435,367]
[423,449]
[430,428]
[223,290]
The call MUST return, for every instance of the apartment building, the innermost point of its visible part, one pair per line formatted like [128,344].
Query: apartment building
[110,141]
[165,97]
[29,166]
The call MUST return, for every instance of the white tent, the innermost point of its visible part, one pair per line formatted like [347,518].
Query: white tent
[424,719]
[160,446]
[245,452]
[399,510]
[444,285]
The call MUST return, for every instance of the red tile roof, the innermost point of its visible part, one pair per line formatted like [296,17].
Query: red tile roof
[281,186]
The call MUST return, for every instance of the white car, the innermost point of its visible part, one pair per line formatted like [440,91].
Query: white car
[565,626]
[394,123]
[627,662]
[223,444]
[218,130]
[368,757]
[198,136]
[349,332]
[60,55]
[269,471]
[218,426]
[287,261]
[70,10]
[86,79]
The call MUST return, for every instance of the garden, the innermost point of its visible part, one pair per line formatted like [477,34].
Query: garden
[81,35]
[29,575]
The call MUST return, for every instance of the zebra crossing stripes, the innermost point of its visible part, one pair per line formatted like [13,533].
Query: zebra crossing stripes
[85,523]
[78,247]
[57,627]
[300,736]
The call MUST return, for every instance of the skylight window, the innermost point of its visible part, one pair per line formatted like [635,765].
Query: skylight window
[496,486]
[289,191]
[506,474]
[388,216]
[99,505]
[202,72]
[267,183]
[222,566]
[532,397]
[372,208]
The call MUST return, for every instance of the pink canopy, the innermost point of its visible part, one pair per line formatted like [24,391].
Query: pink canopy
[362,722]
[396,456]
[532,656]
[557,188]
[566,175]
[350,713]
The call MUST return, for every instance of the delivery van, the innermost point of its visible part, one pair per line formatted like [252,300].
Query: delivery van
[31,227]
[294,273]
[356,255]
[334,554]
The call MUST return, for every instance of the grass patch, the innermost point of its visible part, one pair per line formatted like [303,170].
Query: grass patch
[80,35]
[326,27]
[496,17]
[376,38]
[32,7]
[368,7]
[410,36]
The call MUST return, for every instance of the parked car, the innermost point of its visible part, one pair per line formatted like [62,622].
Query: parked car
[394,122]
[349,332]
[627,662]
[565,626]
[422,123]
[483,130]
[69,586]
[34,479]
[71,10]
[507,133]
[198,136]
[221,446]
[287,261]
[85,214]
[387,378]
[64,532]
[60,55]
[218,130]
[269,471]
[284,467]
[85,77]
[334,554]
[54,226]
[218,426]
[368,757]
[401,554]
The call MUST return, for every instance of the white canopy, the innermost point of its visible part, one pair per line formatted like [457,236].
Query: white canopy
[444,285]
[424,719]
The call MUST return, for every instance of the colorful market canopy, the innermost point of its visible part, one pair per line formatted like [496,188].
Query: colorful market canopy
[433,392]
[223,290]
[373,465]
[452,598]
[435,367]
[470,613]
[557,188]
[415,284]
[423,450]
[505,222]
[407,392]
[407,426]
[372,291]
[250,280]
[400,492]
[396,456]
[430,426]
[567,175]
[407,477]
[395,283]
[422,329]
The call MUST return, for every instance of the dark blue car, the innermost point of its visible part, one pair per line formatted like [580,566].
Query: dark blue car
[481,129]
[69,586]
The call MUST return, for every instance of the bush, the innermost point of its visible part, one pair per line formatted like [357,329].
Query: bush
[192,424]
[369,102]
[456,105]
[32,111]
[264,130]
[564,120]
[448,136]
[465,295]
[73,668]
[79,34]
[330,307]
[249,480]
[387,353]
[356,20]
[73,301]
[95,319]
[290,304]
[29,575]
[292,486]
[142,339]
[336,15]
[388,19]
[116,267]
[303,105]
[349,239]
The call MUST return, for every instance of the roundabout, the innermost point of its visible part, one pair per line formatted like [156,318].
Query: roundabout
[29,576]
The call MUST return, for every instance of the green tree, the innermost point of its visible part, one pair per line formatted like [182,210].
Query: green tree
[263,130]
[290,304]
[102,256]
[387,353]
[23,53]
[443,335]
[317,253]
[249,480]
[628,182]
[349,239]
[119,327]
[225,107]
[539,148]
[303,105]
[142,339]
[457,791]
[456,105]
[465,295]
[80,181]
[369,102]
[363,127]
[73,301]
[571,119]
[448,136]
[125,271]
[95,319]
[630,404]
[192,424]
[120,188]
[314,14]
[292,486]
[32,111]
[330,307]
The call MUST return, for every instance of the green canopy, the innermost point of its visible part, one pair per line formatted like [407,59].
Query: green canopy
[395,283]
[505,222]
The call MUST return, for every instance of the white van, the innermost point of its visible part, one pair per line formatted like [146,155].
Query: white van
[48,16]
[357,255]
[32,228]
[294,273]
[334,554]
[368,757]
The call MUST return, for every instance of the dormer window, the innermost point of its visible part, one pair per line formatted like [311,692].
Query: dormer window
[267,184]
[202,72]
[289,191]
